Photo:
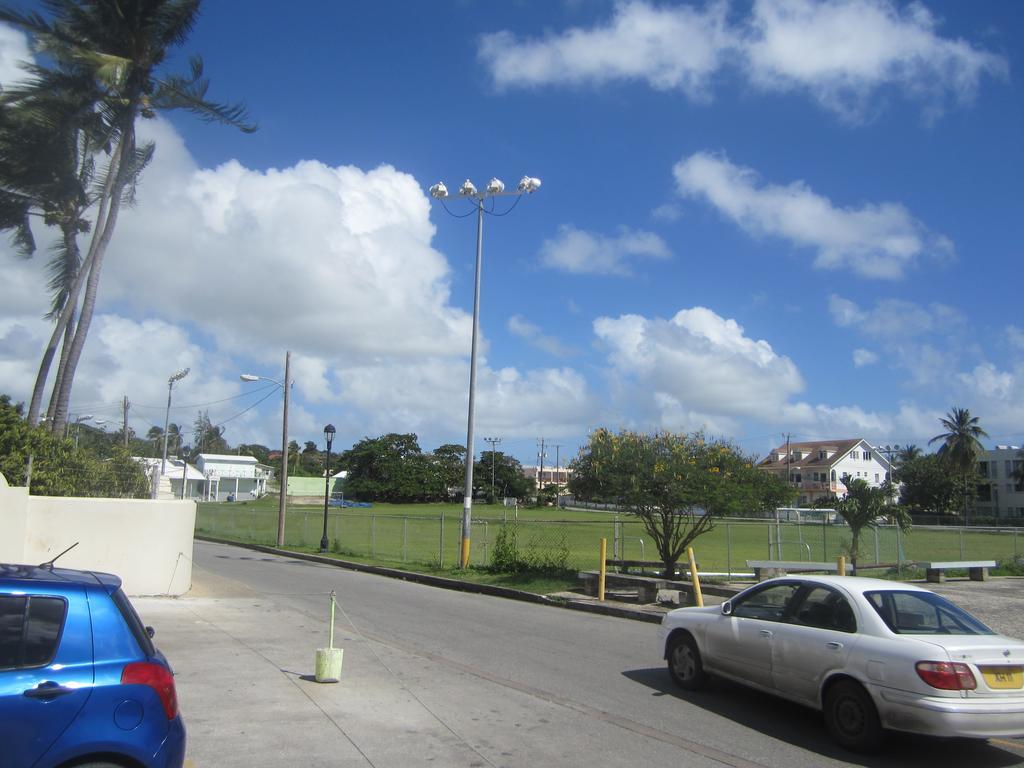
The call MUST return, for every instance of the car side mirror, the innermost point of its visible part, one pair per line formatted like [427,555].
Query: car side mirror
[151,632]
[727,608]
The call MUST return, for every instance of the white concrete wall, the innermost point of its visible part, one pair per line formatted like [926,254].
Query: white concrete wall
[147,543]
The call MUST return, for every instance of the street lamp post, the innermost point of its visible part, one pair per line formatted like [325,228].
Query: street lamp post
[495,188]
[329,437]
[76,420]
[889,451]
[282,502]
[167,418]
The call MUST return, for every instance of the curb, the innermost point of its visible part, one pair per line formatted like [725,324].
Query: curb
[636,614]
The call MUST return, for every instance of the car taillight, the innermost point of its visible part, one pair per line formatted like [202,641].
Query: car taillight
[157,677]
[947,675]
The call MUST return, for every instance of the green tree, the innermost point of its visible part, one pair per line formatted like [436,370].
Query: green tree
[676,484]
[114,50]
[58,469]
[387,468]
[928,488]
[509,479]
[961,447]
[448,471]
[864,506]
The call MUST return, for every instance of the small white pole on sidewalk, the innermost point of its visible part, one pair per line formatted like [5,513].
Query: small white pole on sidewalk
[329,659]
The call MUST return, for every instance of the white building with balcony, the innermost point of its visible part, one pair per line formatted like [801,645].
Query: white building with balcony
[1000,494]
[816,469]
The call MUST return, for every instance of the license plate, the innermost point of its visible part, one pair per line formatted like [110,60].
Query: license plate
[1003,678]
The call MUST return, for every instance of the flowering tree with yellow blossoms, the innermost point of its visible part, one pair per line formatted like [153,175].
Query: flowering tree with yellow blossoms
[677,484]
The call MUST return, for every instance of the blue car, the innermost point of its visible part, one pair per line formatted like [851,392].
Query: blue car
[81,682]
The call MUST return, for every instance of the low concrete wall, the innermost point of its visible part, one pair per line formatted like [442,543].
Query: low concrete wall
[147,543]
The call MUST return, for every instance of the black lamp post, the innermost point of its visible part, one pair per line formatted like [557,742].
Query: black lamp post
[329,437]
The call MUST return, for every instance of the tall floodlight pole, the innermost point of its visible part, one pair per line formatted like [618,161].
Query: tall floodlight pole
[167,418]
[282,502]
[495,188]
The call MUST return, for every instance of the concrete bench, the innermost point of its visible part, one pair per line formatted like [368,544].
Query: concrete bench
[643,565]
[767,569]
[646,586]
[976,569]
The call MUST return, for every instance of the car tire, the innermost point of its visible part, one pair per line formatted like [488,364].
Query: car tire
[684,663]
[851,717]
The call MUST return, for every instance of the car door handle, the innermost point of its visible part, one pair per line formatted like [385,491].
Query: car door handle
[834,645]
[764,633]
[48,690]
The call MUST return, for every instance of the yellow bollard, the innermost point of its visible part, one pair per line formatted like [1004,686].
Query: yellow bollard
[695,578]
[841,565]
[601,569]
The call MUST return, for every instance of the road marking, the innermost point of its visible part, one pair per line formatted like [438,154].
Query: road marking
[1017,745]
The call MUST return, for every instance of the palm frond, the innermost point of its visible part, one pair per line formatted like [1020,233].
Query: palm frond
[189,93]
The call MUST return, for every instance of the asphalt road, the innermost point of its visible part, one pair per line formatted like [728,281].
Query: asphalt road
[433,677]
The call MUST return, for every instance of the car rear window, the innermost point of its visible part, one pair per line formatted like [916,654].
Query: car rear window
[131,618]
[923,613]
[30,628]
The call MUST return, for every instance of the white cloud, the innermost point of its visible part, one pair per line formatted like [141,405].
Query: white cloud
[844,51]
[339,257]
[668,48]
[579,252]
[894,318]
[863,357]
[223,269]
[14,51]
[875,240]
[1015,336]
[536,337]
[841,52]
[697,363]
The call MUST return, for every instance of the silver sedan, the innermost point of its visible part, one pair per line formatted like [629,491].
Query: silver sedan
[870,654]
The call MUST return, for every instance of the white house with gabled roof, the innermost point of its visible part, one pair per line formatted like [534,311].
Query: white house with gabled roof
[816,468]
[231,477]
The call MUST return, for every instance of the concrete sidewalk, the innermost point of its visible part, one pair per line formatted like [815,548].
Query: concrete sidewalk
[244,673]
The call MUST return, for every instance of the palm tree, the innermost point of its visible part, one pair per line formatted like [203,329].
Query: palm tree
[120,45]
[961,444]
[47,134]
[863,507]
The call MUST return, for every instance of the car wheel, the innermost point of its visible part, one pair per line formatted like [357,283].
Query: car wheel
[684,663]
[851,717]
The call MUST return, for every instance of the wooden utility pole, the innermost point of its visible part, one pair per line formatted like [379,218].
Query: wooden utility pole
[125,405]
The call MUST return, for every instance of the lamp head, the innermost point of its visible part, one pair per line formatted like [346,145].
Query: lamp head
[528,185]
[249,377]
[329,434]
[179,375]
[439,191]
[467,189]
[495,187]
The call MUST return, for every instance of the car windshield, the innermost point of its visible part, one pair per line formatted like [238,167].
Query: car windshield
[923,613]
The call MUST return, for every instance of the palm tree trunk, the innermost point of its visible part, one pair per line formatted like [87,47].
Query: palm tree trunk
[106,219]
[65,321]
[62,365]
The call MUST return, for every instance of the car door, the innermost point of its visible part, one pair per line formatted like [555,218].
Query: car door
[45,669]
[816,638]
[739,644]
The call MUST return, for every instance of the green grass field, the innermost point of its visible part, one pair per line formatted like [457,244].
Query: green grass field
[426,536]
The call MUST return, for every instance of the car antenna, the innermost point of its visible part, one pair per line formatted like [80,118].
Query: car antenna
[49,563]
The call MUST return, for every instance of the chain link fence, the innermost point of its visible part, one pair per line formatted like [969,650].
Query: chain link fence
[434,541]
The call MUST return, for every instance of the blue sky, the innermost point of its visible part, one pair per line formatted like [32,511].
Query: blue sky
[756,218]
